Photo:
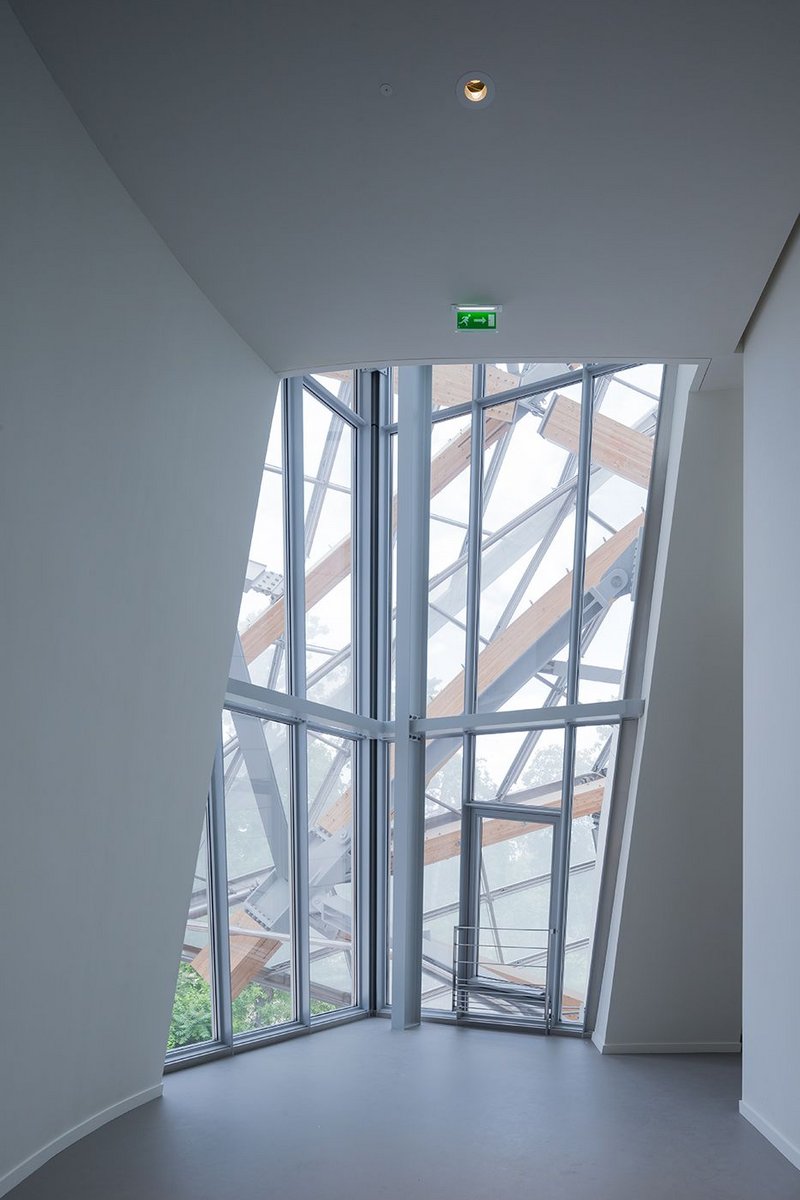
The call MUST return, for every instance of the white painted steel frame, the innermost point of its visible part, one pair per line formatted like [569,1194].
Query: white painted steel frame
[369,726]
[218,906]
[296,679]
[568,717]
[303,716]
[560,888]
[414,457]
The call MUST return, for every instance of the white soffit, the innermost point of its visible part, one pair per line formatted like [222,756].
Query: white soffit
[626,193]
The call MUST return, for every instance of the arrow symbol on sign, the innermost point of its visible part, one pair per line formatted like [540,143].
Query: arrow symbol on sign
[480,320]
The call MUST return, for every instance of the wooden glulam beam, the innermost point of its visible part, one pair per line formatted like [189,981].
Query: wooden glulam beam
[503,651]
[336,565]
[248,955]
[445,842]
[626,452]
[615,447]
[500,654]
[452,382]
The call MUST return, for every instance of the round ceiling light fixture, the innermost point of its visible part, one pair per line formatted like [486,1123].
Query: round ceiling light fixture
[475,89]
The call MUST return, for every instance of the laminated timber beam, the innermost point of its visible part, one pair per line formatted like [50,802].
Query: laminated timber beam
[624,451]
[533,622]
[501,653]
[249,955]
[451,385]
[336,565]
[445,842]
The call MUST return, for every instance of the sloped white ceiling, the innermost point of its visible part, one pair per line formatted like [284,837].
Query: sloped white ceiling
[626,194]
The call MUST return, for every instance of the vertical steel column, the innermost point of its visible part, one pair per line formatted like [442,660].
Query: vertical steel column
[478,380]
[381,516]
[296,663]
[413,515]
[470,882]
[218,902]
[365,649]
[558,904]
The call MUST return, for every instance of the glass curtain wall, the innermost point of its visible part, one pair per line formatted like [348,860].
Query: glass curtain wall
[288,824]
[536,512]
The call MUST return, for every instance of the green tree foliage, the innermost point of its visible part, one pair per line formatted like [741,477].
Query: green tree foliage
[191,1010]
[256,1007]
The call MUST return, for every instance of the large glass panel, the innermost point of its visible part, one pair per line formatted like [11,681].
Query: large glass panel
[441,870]
[331,908]
[623,438]
[328,529]
[340,384]
[520,768]
[192,1009]
[451,384]
[258,825]
[447,593]
[595,746]
[260,649]
[501,377]
[527,555]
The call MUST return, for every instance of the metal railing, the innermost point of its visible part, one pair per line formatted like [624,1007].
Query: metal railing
[506,970]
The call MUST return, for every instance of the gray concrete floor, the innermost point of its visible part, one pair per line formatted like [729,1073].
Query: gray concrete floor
[363,1113]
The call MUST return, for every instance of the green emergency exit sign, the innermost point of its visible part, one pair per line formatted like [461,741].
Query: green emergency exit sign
[476,318]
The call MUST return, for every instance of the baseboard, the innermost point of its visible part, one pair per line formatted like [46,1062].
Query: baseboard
[668,1047]
[767,1130]
[34,1161]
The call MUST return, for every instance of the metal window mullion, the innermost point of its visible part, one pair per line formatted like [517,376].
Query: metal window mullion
[472,646]
[321,393]
[258,701]
[218,903]
[361,660]
[552,716]
[515,812]
[364,526]
[381,510]
[528,391]
[296,631]
[414,455]
[469,885]
[558,906]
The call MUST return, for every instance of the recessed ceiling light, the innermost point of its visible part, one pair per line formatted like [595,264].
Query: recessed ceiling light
[475,89]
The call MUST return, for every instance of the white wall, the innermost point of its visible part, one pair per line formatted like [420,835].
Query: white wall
[771,1075]
[673,971]
[133,427]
